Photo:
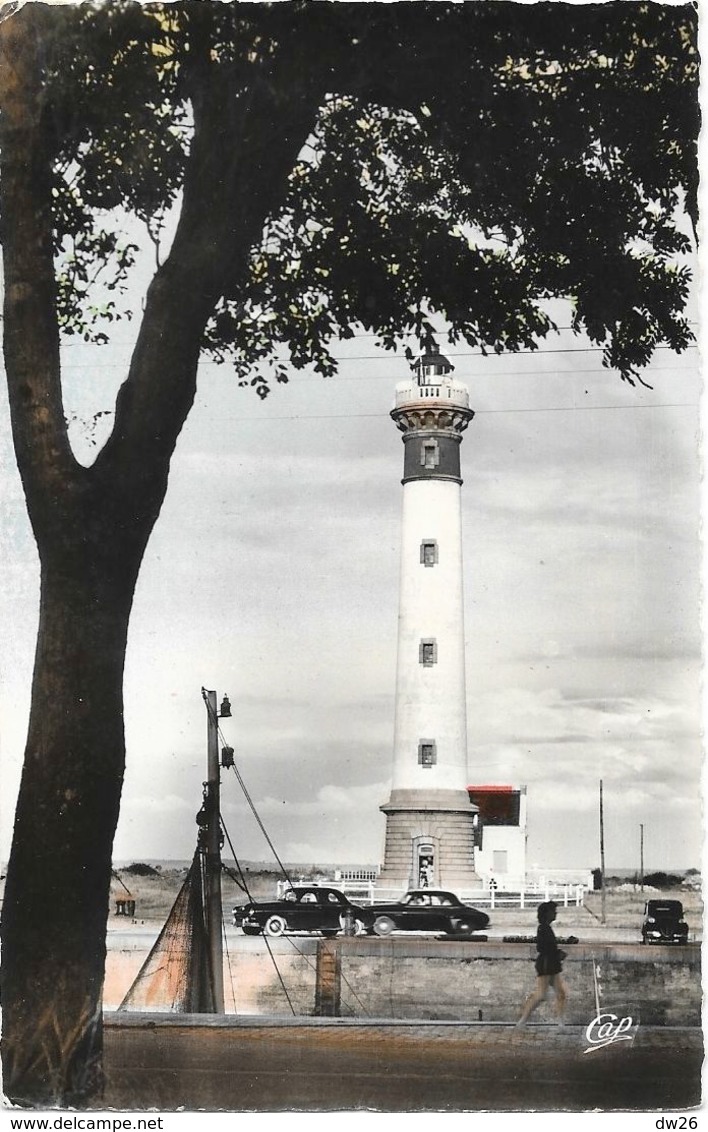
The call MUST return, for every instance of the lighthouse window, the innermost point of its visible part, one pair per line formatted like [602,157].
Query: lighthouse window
[427,753]
[429,454]
[428,552]
[428,652]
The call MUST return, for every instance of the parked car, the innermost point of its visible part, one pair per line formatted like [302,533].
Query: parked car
[428,910]
[302,908]
[664,922]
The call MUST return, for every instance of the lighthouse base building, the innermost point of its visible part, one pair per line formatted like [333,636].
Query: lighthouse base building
[430,840]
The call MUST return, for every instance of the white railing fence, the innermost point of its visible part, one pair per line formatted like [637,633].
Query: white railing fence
[525,895]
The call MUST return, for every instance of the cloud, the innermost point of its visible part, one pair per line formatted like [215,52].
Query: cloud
[331,800]
[529,717]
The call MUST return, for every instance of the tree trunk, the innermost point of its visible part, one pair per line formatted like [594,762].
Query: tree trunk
[91,526]
[57,891]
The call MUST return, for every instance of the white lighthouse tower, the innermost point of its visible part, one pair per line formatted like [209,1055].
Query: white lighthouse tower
[430,821]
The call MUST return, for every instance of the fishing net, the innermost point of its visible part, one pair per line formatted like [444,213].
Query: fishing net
[177,974]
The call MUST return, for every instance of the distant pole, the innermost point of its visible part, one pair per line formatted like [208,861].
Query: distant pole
[213,852]
[602,858]
[641,857]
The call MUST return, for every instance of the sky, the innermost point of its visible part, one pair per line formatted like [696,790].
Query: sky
[272,575]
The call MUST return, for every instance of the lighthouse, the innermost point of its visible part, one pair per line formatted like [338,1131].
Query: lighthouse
[431,825]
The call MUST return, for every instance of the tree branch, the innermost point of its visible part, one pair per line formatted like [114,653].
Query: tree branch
[246,140]
[31,338]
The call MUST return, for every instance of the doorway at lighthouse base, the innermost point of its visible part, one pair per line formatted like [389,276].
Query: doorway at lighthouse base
[430,840]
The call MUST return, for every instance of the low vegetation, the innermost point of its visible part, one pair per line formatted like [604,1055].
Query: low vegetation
[141,870]
[155,890]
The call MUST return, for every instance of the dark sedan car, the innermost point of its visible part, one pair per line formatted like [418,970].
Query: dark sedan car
[303,908]
[664,922]
[428,910]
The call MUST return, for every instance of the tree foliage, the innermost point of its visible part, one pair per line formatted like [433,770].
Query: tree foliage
[465,160]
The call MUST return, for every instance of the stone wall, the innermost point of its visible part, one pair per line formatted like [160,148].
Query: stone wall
[251,983]
[439,980]
[419,978]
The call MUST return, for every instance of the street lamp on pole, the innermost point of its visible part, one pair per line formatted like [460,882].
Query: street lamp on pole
[212,845]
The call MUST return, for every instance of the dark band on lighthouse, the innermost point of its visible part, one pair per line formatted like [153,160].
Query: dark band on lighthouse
[431,454]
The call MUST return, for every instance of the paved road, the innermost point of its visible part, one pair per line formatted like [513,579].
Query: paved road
[141,934]
[323,1065]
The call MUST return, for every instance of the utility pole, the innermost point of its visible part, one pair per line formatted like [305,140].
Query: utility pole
[212,843]
[641,857]
[602,858]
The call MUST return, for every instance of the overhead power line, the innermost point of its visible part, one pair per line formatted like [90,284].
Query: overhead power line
[490,355]
[478,412]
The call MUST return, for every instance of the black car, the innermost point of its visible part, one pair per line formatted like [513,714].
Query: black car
[303,908]
[664,922]
[428,910]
